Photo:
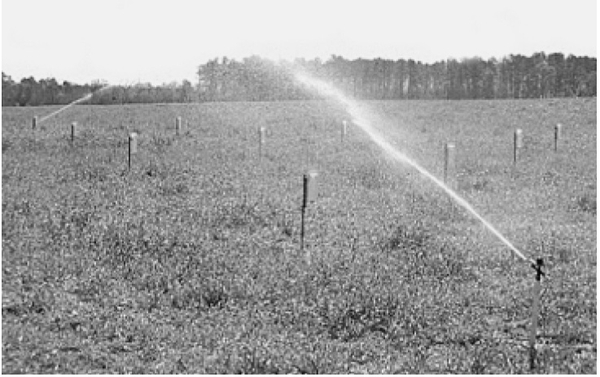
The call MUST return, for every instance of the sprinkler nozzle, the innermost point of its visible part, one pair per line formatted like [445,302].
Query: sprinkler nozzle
[537,266]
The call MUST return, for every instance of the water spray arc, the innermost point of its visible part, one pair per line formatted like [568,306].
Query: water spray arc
[361,120]
[82,99]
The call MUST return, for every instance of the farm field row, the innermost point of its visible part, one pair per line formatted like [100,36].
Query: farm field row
[191,261]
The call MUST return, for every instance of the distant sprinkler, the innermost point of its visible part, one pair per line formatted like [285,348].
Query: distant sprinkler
[449,164]
[557,136]
[344,130]
[132,148]
[261,141]
[73,131]
[311,190]
[518,144]
[178,126]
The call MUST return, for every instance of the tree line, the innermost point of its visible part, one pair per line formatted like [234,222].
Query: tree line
[514,76]
[29,92]
[258,79]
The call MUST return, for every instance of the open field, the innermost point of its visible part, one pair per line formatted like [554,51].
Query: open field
[190,263]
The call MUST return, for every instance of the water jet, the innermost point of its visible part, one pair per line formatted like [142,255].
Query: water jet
[82,99]
[360,119]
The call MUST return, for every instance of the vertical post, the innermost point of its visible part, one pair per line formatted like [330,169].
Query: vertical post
[310,190]
[73,131]
[177,126]
[132,148]
[34,122]
[261,141]
[449,164]
[535,311]
[557,136]
[344,129]
[518,144]
[302,229]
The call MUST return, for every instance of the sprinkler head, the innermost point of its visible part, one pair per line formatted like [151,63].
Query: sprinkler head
[537,266]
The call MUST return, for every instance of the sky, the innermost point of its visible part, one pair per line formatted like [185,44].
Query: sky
[160,41]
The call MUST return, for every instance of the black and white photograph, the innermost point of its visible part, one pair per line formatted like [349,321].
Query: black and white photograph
[299,187]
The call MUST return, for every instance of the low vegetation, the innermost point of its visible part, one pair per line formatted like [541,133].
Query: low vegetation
[191,261]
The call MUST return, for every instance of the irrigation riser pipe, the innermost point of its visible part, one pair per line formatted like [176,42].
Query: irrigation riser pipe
[132,149]
[535,312]
[310,192]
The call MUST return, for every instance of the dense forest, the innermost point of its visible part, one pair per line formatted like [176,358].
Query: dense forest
[258,79]
[515,76]
[29,92]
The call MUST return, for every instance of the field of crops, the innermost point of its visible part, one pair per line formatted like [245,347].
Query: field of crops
[191,261]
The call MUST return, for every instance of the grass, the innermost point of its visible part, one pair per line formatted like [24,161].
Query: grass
[190,263]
